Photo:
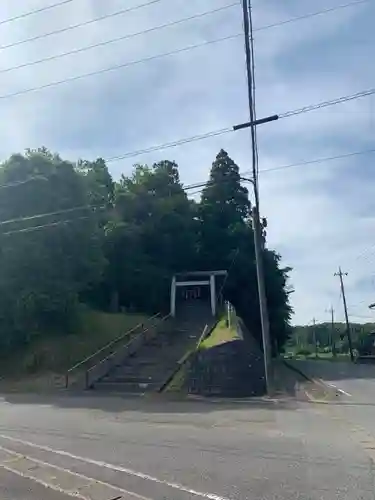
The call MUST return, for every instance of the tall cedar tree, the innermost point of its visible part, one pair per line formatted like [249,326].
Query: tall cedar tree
[227,242]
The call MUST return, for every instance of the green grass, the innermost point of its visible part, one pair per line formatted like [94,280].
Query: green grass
[178,381]
[328,356]
[57,353]
[220,335]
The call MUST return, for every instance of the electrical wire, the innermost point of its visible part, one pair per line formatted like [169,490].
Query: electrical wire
[78,25]
[38,228]
[236,253]
[198,187]
[227,130]
[147,4]
[360,316]
[114,68]
[253,84]
[35,11]
[202,137]
[132,63]
[315,161]
[20,183]
[326,104]
[168,145]
[312,14]
[120,38]
[50,214]
[203,184]
[366,254]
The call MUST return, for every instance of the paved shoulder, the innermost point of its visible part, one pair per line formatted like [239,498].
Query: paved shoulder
[15,487]
[183,450]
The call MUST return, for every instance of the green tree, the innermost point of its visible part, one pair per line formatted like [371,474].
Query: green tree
[150,238]
[50,244]
[227,242]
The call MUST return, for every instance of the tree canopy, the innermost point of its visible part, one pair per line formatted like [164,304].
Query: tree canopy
[70,233]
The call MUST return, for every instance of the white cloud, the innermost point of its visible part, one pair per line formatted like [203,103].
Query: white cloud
[320,216]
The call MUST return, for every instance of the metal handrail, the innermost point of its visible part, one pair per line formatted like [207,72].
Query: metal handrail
[113,354]
[107,346]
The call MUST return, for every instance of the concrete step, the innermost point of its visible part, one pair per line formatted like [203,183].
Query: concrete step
[150,368]
[147,369]
[126,387]
[118,377]
[157,371]
[139,376]
[153,360]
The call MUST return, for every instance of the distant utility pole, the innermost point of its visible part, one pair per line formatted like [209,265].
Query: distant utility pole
[333,340]
[314,338]
[340,274]
[258,243]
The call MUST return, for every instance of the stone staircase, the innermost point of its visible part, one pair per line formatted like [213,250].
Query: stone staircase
[147,369]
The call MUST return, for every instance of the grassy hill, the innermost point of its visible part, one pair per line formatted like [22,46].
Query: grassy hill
[49,357]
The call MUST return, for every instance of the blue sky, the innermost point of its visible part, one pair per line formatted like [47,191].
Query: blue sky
[320,215]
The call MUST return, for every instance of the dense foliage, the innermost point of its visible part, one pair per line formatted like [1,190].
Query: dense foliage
[325,336]
[70,234]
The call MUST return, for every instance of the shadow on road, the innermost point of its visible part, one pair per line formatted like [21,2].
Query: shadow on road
[149,404]
[287,392]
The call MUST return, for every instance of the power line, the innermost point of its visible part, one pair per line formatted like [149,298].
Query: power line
[366,254]
[312,14]
[147,4]
[293,165]
[38,228]
[116,67]
[78,25]
[326,104]
[227,130]
[19,183]
[119,39]
[360,316]
[317,160]
[144,60]
[50,214]
[203,184]
[35,11]
[169,145]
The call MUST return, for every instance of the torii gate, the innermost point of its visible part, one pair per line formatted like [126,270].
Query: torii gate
[182,280]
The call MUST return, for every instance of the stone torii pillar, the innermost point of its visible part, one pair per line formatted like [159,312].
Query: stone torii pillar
[173,297]
[213,294]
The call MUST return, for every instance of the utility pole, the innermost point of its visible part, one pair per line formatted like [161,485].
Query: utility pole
[333,340]
[314,338]
[258,242]
[340,274]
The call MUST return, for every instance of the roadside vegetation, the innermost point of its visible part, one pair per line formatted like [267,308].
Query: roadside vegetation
[72,237]
[327,341]
[52,354]
[221,334]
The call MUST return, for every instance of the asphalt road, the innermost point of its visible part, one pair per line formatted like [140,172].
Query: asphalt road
[356,386]
[102,448]
[356,382]
[14,487]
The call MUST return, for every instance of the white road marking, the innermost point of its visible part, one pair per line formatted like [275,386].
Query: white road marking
[117,468]
[43,483]
[61,469]
[338,389]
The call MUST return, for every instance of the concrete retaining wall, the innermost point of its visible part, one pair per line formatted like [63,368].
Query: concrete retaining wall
[231,369]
